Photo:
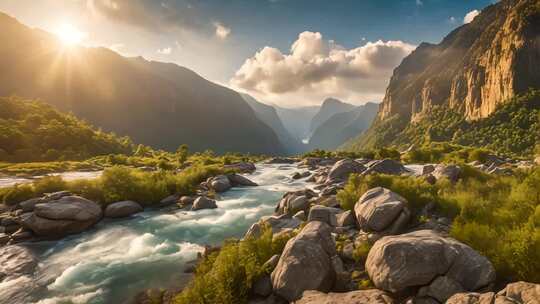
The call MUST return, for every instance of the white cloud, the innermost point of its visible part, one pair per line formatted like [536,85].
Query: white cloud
[165,51]
[316,68]
[222,32]
[419,2]
[452,19]
[470,16]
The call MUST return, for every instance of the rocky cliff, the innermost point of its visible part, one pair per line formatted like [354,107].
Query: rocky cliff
[476,67]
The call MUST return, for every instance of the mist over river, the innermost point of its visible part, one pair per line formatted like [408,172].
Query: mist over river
[116,259]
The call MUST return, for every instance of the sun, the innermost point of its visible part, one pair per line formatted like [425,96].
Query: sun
[70,35]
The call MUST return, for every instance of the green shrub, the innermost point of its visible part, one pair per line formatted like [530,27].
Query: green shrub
[16,194]
[227,276]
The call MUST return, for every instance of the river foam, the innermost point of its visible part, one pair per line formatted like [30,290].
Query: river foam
[119,258]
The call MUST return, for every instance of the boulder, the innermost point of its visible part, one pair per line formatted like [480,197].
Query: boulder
[15,261]
[67,215]
[441,289]
[371,296]
[381,210]
[56,195]
[537,160]
[513,293]
[299,175]
[416,259]
[203,202]
[276,223]
[385,166]
[239,180]
[21,235]
[295,201]
[29,205]
[324,214]
[186,200]
[122,209]
[169,200]
[242,167]
[342,169]
[345,219]
[306,263]
[300,215]
[4,239]
[74,208]
[220,183]
[450,172]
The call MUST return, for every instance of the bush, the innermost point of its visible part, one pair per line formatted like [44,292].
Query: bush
[227,276]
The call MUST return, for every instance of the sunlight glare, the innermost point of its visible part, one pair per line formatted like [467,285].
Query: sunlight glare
[70,35]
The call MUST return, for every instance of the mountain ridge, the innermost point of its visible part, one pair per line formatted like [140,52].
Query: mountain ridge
[158,104]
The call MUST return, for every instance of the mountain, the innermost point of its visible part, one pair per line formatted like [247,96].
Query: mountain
[35,131]
[269,116]
[341,127]
[474,70]
[297,120]
[329,107]
[158,104]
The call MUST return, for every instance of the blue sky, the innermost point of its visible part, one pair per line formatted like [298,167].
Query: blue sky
[348,48]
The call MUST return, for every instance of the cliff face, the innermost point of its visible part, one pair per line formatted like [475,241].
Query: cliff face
[476,67]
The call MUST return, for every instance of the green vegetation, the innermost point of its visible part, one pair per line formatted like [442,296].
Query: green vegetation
[497,215]
[34,131]
[118,183]
[379,153]
[227,276]
[513,129]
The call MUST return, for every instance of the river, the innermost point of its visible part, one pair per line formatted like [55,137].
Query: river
[116,259]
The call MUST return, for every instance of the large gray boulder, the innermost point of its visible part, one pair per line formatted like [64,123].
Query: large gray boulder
[342,169]
[385,166]
[122,209]
[240,180]
[278,224]
[416,259]
[15,261]
[203,202]
[220,183]
[513,293]
[369,296]
[381,210]
[306,263]
[67,215]
[324,214]
[295,201]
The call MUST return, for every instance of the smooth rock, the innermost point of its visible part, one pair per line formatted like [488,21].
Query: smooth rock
[305,263]
[242,167]
[342,169]
[369,296]
[240,180]
[276,223]
[396,263]
[220,183]
[381,210]
[324,214]
[346,219]
[122,209]
[203,202]
[29,205]
[73,208]
[385,166]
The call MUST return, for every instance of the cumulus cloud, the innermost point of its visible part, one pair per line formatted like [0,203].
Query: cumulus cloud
[470,16]
[316,68]
[222,32]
